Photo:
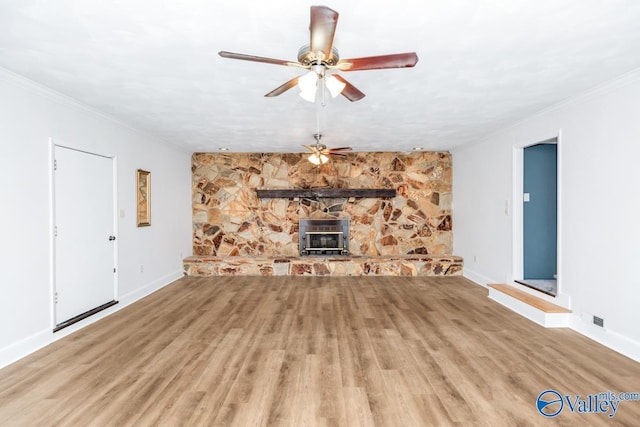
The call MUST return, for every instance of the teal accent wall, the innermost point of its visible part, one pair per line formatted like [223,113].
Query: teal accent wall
[540,212]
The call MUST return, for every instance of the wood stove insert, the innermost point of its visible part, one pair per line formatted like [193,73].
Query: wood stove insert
[324,237]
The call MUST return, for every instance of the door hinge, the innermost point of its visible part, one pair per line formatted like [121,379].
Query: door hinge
[55,165]
[55,297]
[114,269]
[55,231]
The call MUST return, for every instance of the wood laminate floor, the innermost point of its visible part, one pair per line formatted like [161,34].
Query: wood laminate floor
[296,351]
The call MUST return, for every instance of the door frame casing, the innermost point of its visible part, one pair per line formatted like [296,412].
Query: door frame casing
[518,212]
[52,222]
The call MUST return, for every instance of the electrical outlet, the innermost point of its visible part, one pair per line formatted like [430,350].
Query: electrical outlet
[598,321]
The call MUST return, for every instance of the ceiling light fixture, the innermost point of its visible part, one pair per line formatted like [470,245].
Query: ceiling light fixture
[318,159]
[334,85]
[308,84]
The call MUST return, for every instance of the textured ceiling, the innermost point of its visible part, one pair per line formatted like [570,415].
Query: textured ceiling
[484,64]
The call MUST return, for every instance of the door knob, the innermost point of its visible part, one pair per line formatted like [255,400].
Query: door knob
[112,238]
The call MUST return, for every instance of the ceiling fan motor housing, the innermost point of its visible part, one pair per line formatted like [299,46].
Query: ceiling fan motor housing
[308,58]
[319,146]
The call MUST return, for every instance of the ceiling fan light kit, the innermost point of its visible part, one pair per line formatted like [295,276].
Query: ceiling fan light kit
[308,85]
[317,79]
[322,60]
[320,153]
[334,85]
[318,159]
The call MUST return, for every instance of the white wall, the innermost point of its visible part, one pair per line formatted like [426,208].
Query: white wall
[599,164]
[29,116]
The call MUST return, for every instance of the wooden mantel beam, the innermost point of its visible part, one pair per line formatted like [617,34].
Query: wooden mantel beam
[334,193]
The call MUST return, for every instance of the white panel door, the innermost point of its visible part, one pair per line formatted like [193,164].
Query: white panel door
[84,237]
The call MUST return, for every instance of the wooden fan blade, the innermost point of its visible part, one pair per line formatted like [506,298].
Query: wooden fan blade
[340,149]
[337,154]
[311,148]
[398,60]
[350,92]
[254,58]
[322,28]
[283,88]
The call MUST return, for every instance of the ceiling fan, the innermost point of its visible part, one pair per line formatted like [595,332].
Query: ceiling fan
[322,59]
[320,153]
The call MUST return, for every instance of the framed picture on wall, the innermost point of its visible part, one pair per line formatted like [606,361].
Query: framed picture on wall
[143,197]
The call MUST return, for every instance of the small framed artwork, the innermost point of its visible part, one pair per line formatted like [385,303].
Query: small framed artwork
[143,197]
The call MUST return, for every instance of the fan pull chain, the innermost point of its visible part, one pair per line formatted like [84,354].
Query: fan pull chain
[318,119]
[323,88]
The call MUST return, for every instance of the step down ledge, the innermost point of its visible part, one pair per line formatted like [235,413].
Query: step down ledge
[533,308]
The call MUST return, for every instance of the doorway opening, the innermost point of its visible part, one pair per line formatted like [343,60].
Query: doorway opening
[537,179]
[540,216]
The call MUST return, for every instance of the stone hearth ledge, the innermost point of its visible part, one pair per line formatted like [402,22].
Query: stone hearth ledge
[388,265]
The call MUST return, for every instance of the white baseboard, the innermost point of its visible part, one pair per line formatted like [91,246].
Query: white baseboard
[150,288]
[477,277]
[28,345]
[608,338]
[24,347]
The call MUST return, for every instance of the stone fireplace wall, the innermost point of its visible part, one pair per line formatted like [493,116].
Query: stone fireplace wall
[230,220]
